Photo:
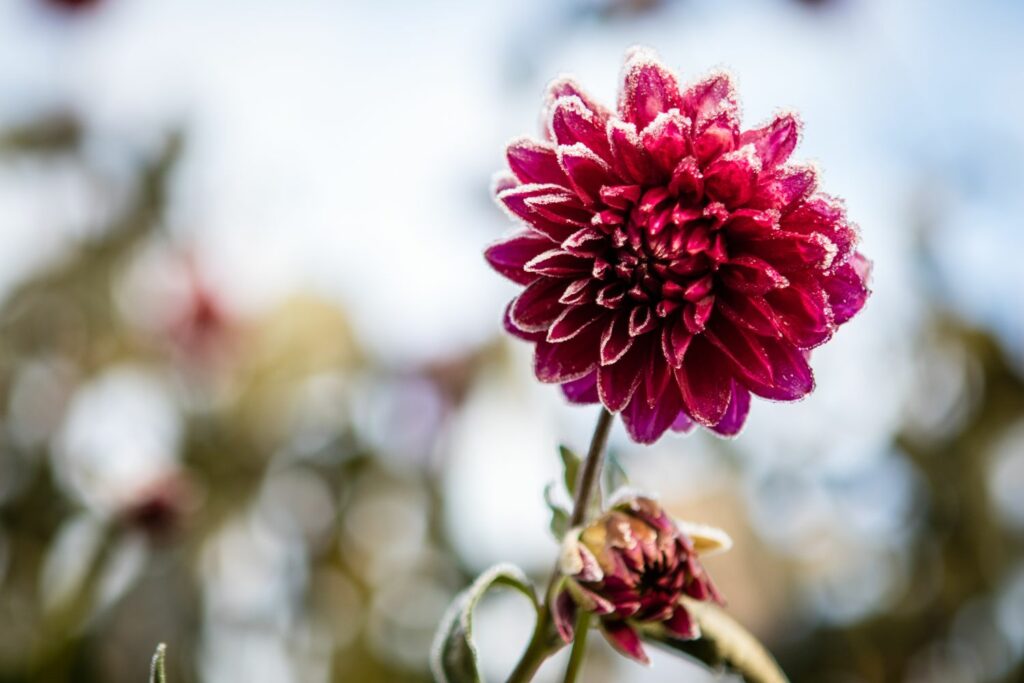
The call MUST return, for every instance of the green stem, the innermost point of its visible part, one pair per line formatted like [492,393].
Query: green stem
[545,640]
[579,648]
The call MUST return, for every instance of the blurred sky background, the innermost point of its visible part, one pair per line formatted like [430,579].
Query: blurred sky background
[325,218]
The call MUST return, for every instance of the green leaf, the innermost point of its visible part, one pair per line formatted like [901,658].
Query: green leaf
[723,645]
[559,515]
[454,656]
[158,669]
[615,477]
[571,468]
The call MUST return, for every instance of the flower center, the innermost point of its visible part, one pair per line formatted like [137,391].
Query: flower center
[666,248]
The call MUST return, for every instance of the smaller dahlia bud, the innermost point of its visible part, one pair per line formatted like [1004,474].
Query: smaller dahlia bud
[631,567]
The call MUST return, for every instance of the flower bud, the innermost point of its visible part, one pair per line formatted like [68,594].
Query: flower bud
[631,567]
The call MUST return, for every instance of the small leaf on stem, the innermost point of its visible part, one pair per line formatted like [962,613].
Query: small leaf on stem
[571,468]
[559,515]
[454,656]
[615,477]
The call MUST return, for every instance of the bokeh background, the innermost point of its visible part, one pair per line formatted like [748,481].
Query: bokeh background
[255,401]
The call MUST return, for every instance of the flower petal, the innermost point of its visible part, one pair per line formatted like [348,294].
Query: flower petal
[573,320]
[515,200]
[648,89]
[621,636]
[647,420]
[535,162]
[630,158]
[586,170]
[564,615]
[558,263]
[537,306]
[734,418]
[567,87]
[569,360]
[681,625]
[665,140]
[732,178]
[616,339]
[792,377]
[743,349]
[582,390]
[509,256]
[784,186]
[705,382]
[847,289]
[511,328]
[751,275]
[709,97]
[572,122]
[617,383]
[775,141]
[803,312]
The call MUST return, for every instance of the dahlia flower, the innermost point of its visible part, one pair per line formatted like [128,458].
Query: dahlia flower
[673,263]
[631,567]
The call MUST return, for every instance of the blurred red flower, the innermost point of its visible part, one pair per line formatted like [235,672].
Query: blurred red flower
[673,263]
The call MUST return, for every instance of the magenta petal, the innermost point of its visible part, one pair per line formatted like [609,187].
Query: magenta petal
[716,136]
[582,390]
[567,87]
[586,170]
[616,340]
[775,141]
[847,289]
[566,361]
[630,158]
[792,377]
[511,328]
[681,625]
[705,381]
[675,340]
[520,202]
[621,636]
[511,255]
[616,384]
[572,122]
[564,615]
[666,139]
[535,162]
[743,349]
[784,186]
[646,422]
[751,275]
[792,251]
[648,89]
[749,311]
[822,214]
[708,98]
[573,320]
[732,177]
[557,263]
[683,423]
[734,418]
[537,306]
[803,312]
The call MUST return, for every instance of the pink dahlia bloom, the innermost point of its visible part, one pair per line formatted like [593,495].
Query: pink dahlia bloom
[673,263]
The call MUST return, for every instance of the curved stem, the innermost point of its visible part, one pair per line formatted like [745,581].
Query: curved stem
[545,642]
[591,468]
[579,648]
